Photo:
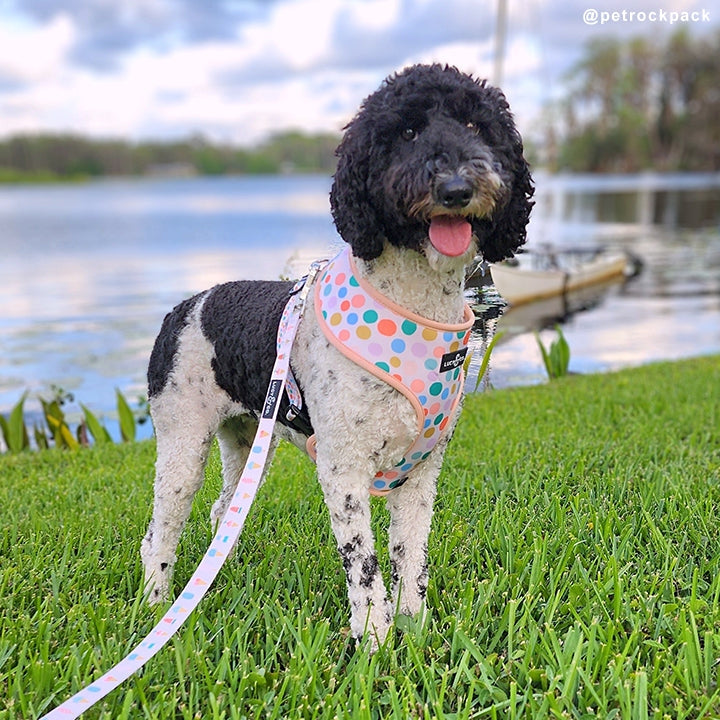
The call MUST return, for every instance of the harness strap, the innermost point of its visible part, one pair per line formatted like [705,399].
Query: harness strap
[226,535]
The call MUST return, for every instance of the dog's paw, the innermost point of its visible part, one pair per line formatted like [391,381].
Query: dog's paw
[374,627]
[372,639]
[156,588]
[411,605]
[154,594]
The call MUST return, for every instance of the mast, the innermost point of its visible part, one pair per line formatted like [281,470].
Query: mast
[500,33]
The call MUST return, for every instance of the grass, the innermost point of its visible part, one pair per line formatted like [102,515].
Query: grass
[575,573]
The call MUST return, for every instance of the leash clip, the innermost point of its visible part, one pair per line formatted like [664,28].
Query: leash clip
[302,286]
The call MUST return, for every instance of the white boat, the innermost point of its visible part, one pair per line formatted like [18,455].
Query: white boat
[518,284]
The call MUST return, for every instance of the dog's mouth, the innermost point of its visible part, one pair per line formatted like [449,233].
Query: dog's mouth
[450,234]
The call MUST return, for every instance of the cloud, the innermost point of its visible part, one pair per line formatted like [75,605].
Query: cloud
[34,53]
[107,29]
[340,50]
[237,70]
[307,37]
[359,40]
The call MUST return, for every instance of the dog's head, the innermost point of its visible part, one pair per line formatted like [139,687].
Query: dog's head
[432,159]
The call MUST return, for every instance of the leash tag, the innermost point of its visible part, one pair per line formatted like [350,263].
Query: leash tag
[272,398]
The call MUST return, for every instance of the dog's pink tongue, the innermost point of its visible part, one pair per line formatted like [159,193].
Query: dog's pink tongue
[450,234]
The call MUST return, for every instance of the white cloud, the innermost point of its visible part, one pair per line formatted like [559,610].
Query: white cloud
[375,15]
[297,33]
[473,58]
[33,53]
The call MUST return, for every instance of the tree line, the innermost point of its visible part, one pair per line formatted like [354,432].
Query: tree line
[48,156]
[632,105]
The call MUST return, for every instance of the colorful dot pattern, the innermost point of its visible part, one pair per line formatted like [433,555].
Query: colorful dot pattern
[400,348]
[225,538]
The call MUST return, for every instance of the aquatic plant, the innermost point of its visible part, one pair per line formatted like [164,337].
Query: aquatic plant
[57,431]
[557,358]
[485,359]
[13,428]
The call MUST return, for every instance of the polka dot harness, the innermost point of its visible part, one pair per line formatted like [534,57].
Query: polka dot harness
[421,358]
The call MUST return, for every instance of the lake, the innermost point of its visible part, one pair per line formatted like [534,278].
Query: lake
[88,271]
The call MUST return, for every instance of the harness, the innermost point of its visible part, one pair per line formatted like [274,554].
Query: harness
[420,358]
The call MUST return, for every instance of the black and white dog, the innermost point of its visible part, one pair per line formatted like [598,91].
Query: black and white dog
[430,173]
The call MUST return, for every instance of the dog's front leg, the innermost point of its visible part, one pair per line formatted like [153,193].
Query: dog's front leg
[411,510]
[348,502]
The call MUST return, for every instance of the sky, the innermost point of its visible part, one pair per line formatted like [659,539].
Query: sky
[239,70]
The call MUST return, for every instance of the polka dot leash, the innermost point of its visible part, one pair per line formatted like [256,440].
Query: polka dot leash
[226,535]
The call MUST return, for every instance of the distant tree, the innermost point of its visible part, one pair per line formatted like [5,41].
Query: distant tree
[297,152]
[689,115]
[639,104]
[46,156]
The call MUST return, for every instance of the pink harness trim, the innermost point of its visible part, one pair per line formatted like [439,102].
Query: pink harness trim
[419,357]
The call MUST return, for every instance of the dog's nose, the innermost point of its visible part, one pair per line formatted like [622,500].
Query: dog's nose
[455,192]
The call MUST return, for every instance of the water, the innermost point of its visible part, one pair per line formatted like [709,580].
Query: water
[671,310]
[88,271]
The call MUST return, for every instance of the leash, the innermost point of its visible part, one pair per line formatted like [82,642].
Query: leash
[227,532]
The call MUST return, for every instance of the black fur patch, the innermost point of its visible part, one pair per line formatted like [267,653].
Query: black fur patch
[240,319]
[352,504]
[369,570]
[348,552]
[162,358]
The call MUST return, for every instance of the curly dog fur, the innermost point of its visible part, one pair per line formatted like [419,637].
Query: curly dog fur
[432,147]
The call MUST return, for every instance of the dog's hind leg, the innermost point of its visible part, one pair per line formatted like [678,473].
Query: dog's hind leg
[235,437]
[182,452]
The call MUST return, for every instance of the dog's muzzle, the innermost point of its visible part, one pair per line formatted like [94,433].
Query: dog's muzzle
[453,193]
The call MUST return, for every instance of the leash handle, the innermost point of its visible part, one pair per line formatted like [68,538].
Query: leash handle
[225,538]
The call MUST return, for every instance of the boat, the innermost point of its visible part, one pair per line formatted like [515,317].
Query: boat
[556,273]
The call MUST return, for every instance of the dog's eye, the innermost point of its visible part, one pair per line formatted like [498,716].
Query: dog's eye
[472,126]
[409,134]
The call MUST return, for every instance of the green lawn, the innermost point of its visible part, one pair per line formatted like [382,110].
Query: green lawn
[575,562]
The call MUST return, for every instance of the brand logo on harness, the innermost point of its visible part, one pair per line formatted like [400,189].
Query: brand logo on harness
[272,398]
[452,360]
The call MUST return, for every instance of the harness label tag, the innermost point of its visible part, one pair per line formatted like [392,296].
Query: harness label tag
[452,360]
[271,399]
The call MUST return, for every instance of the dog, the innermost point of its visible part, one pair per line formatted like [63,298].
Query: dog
[430,174]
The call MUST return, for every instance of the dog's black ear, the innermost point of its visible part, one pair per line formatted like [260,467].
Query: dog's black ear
[507,229]
[352,208]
